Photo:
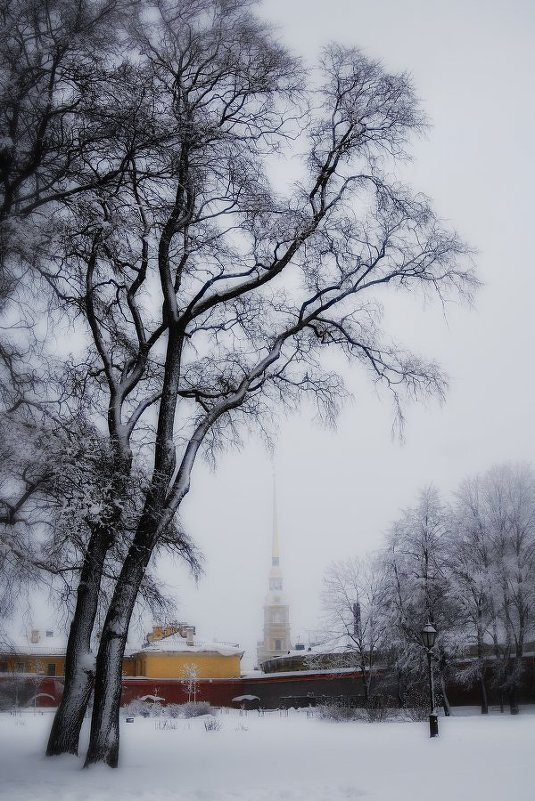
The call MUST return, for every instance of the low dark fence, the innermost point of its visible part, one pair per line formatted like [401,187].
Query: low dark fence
[274,691]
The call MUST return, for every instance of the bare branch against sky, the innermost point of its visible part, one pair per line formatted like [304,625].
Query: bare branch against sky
[339,489]
[471,65]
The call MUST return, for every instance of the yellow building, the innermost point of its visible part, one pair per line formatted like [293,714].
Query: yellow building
[170,652]
[178,655]
[42,653]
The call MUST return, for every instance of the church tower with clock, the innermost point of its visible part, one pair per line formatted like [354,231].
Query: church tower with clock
[277,641]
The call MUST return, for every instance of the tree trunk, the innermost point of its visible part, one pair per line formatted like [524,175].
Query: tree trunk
[365,684]
[79,670]
[65,732]
[484,696]
[481,662]
[513,701]
[512,689]
[445,700]
[104,736]
[399,691]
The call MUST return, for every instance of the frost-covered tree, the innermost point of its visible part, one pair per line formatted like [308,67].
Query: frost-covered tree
[416,589]
[352,597]
[205,295]
[190,681]
[493,560]
[472,567]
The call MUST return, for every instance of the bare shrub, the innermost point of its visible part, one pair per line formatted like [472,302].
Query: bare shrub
[338,712]
[163,724]
[174,711]
[144,709]
[380,709]
[416,705]
[194,709]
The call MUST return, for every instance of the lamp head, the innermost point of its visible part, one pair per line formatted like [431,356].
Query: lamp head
[429,634]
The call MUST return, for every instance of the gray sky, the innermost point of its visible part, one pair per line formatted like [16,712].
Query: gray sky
[472,64]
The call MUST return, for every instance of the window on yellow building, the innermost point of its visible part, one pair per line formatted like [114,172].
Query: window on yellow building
[50,670]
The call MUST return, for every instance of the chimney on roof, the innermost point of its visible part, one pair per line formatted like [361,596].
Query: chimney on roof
[160,632]
[189,631]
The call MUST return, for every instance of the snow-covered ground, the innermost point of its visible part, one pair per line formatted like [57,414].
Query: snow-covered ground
[272,758]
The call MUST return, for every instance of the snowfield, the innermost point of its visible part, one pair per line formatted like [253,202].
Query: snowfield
[272,758]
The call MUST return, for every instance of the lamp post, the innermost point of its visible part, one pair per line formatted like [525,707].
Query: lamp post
[428,635]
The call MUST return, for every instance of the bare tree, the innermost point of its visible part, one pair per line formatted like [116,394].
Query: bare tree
[67,119]
[206,295]
[417,589]
[233,344]
[352,593]
[495,540]
[52,52]
[53,63]
[471,563]
[56,86]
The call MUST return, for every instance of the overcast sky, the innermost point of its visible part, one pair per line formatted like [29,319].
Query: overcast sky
[472,64]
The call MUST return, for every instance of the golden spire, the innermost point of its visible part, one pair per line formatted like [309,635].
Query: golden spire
[275,575]
[275,535]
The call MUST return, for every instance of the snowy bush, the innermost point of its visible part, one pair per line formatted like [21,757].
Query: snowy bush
[18,691]
[380,708]
[375,711]
[140,707]
[212,724]
[6,701]
[145,709]
[338,712]
[174,710]
[415,705]
[192,709]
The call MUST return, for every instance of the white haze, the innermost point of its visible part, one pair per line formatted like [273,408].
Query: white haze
[472,65]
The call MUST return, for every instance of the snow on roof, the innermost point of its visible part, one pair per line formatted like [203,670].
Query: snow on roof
[34,650]
[333,647]
[240,698]
[49,643]
[154,698]
[178,644]
[279,674]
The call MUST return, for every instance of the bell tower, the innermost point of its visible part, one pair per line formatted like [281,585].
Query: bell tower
[277,640]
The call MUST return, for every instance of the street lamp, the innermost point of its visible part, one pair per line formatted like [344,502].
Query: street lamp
[428,635]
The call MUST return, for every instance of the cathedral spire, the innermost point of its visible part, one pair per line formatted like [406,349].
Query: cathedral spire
[275,534]
[276,640]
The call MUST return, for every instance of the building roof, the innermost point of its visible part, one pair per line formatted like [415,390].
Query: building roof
[175,643]
[48,644]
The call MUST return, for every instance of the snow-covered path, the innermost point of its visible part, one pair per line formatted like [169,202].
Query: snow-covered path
[274,758]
